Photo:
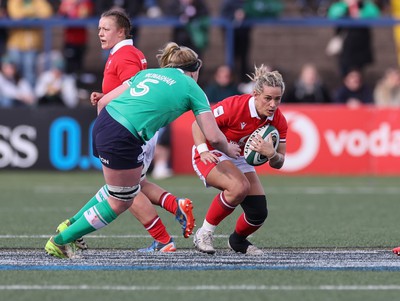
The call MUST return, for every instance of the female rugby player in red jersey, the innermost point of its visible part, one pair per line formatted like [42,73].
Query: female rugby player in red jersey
[238,117]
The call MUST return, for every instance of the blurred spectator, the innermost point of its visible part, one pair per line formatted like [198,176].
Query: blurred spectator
[3,30]
[222,86]
[15,91]
[24,43]
[354,91]
[383,5]
[308,88]
[133,8]
[237,11]
[56,88]
[387,90]
[100,6]
[45,58]
[75,38]
[194,16]
[55,4]
[153,10]
[357,49]
[313,7]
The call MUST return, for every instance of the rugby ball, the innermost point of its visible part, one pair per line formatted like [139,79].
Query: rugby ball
[251,156]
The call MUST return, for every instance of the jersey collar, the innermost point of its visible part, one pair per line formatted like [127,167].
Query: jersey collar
[253,111]
[121,44]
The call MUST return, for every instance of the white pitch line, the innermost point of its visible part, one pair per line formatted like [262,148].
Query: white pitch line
[207,288]
[8,236]
[311,190]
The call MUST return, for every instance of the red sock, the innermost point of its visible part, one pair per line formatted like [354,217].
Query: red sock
[157,230]
[219,209]
[168,202]
[244,228]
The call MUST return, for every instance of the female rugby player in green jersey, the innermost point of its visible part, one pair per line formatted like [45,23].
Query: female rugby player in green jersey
[128,117]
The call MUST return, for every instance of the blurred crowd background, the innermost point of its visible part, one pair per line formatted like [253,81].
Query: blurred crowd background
[321,62]
[329,51]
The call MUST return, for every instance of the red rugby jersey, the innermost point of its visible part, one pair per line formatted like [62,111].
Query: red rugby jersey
[124,61]
[237,118]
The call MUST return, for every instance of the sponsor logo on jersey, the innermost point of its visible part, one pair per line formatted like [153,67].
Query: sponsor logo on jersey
[218,111]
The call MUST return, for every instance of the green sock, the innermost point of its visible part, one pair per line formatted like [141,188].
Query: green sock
[93,219]
[100,196]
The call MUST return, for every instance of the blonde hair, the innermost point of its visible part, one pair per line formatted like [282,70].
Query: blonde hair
[262,76]
[175,56]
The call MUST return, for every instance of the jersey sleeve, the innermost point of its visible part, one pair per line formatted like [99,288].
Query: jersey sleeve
[221,112]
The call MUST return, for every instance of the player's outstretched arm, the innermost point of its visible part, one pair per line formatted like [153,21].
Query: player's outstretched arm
[200,142]
[214,136]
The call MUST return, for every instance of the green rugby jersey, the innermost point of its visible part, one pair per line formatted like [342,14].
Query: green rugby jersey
[155,98]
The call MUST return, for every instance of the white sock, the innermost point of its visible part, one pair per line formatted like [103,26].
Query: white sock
[208,227]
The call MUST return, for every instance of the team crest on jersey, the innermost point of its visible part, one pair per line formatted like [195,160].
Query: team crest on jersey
[242,125]
[218,111]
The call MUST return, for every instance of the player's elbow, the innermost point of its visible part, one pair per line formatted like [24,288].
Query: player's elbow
[277,164]
[216,140]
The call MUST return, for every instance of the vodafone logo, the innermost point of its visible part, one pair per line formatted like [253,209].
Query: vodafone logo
[305,128]
[380,142]
[364,143]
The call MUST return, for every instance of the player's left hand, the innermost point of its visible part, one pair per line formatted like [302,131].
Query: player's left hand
[263,147]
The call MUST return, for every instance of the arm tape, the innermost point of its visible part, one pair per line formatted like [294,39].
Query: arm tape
[201,148]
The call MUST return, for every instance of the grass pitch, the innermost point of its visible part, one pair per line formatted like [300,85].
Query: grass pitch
[338,215]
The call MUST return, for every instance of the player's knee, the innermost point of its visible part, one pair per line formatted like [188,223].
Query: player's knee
[240,189]
[255,209]
[257,218]
[124,194]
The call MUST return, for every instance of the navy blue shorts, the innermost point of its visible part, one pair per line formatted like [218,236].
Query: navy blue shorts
[114,145]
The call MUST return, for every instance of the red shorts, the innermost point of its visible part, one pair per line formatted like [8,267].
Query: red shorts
[199,167]
[203,169]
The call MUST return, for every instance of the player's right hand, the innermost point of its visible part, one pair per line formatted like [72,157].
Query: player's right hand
[95,97]
[233,150]
[208,157]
